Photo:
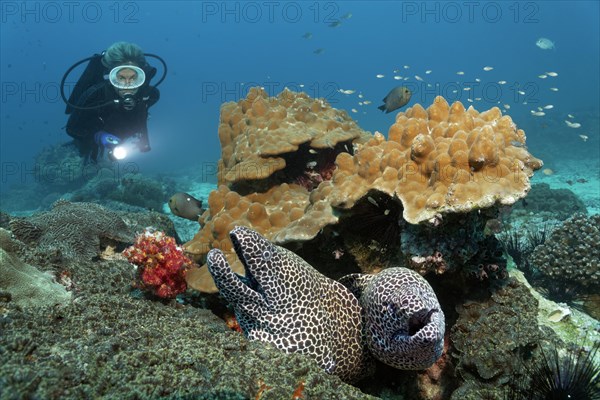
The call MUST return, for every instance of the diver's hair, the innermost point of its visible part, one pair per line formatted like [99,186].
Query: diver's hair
[121,53]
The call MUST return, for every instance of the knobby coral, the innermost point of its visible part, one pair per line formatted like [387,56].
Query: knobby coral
[441,160]
[288,138]
[570,257]
[445,160]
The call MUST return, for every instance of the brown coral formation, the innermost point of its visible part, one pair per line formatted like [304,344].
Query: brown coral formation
[259,133]
[274,151]
[441,160]
[277,174]
[267,213]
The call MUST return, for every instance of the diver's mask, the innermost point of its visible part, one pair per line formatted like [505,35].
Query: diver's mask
[127,79]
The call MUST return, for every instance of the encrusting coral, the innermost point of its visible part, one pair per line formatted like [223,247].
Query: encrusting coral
[569,259]
[76,230]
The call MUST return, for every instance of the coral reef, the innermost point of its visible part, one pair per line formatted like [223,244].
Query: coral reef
[570,257]
[23,284]
[132,188]
[488,333]
[60,168]
[557,203]
[289,138]
[161,264]
[75,230]
[287,303]
[110,344]
[457,243]
[437,163]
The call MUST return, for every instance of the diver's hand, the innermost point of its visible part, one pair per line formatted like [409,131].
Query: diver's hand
[105,139]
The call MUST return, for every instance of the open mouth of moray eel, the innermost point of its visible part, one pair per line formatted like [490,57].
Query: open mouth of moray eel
[243,255]
[416,322]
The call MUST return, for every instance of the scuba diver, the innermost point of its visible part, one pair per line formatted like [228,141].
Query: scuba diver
[110,115]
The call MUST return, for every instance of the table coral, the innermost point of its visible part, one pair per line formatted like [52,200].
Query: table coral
[76,230]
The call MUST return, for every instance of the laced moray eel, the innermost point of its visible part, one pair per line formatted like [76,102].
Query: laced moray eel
[284,301]
[403,322]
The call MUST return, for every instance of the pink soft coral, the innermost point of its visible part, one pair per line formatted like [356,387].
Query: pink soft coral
[161,264]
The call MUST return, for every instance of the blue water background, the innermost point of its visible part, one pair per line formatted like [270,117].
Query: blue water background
[216,50]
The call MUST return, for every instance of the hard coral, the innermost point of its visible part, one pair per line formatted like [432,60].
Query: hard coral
[570,258]
[441,160]
[437,164]
[261,135]
[558,203]
[507,321]
[76,230]
[161,264]
[267,213]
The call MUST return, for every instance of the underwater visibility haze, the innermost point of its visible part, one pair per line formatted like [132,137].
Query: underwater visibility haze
[300,199]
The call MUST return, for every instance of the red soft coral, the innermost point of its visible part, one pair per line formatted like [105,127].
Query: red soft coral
[161,264]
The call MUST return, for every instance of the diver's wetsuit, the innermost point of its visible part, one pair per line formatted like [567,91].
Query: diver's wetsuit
[112,118]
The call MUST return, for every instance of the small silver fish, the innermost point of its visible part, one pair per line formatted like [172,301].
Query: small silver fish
[545,44]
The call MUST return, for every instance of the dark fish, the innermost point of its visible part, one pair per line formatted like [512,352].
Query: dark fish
[346,16]
[319,51]
[335,24]
[186,206]
[396,98]
[307,35]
